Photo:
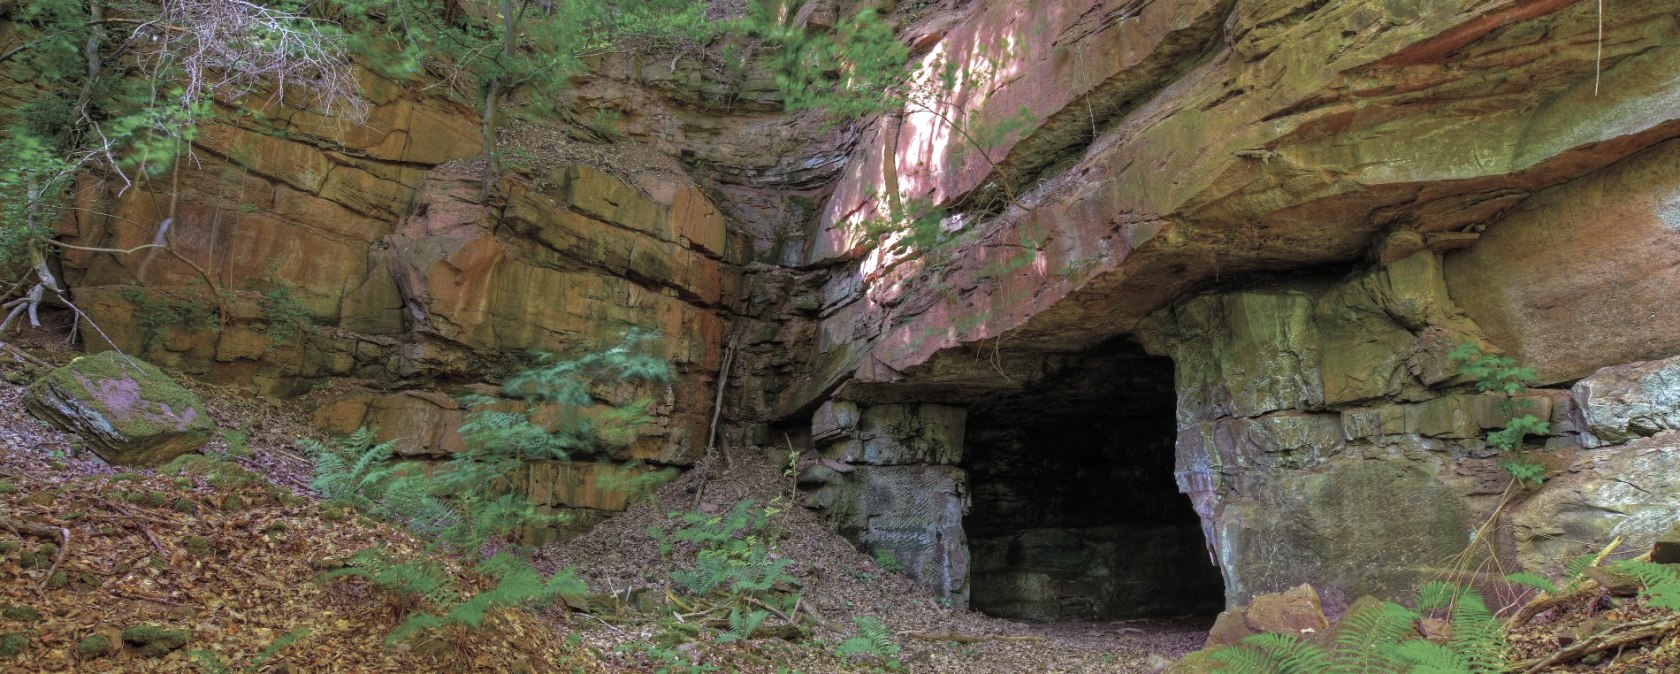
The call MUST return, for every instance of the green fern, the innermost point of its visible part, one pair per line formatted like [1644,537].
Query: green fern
[873,640]
[1576,569]
[463,508]
[735,555]
[1533,580]
[1419,656]
[1363,636]
[1477,636]
[1661,582]
[1436,595]
[210,662]
[518,584]
[741,627]
[1273,653]
[1383,640]
[1573,573]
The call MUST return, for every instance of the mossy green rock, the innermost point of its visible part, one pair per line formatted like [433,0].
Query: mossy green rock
[153,640]
[13,644]
[20,613]
[130,412]
[93,646]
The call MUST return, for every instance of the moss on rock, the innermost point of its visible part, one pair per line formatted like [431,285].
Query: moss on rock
[20,613]
[129,410]
[93,646]
[13,644]
[152,640]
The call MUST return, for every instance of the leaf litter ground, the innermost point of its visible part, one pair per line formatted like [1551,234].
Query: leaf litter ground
[232,558]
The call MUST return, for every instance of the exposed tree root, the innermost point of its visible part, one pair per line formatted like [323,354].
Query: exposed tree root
[61,534]
[1546,602]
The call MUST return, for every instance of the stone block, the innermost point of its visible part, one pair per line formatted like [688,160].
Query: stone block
[1293,611]
[609,199]
[914,511]
[1629,401]
[1372,422]
[833,421]
[1666,549]
[911,434]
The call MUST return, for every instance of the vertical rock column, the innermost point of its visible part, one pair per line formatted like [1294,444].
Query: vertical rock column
[889,481]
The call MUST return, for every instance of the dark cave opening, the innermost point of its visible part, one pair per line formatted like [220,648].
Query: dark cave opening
[1075,513]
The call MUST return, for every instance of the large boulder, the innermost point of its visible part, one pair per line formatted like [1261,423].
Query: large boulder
[1627,402]
[130,412]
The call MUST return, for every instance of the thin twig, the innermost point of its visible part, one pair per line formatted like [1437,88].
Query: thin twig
[1598,65]
[717,403]
[142,527]
[91,249]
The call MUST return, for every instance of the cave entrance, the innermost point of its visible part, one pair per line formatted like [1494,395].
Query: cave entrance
[1075,513]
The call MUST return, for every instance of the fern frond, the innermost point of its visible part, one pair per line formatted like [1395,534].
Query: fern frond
[1274,653]
[1427,657]
[873,639]
[210,662]
[741,627]
[1661,582]
[1435,595]
[280,643]
[1533,580]
[415,624]
[1361,645]
[1477,636]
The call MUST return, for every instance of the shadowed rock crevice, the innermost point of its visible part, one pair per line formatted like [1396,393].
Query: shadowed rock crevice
[1075,514]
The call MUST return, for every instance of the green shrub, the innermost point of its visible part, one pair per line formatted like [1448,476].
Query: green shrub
[1500,374]
[465,505]
[888,561]
[288,320]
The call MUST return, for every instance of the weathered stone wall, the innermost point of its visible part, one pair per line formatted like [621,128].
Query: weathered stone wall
[1365,184]
[888,480]
[304,249]
[1324,437]
[1294,135]
[1411,175]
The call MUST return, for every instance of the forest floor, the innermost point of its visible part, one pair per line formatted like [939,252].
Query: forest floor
[216,566]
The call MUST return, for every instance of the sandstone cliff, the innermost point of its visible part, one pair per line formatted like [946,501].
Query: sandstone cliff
[1227,257]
